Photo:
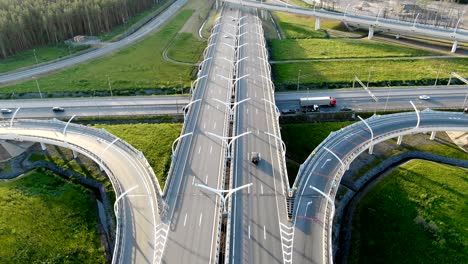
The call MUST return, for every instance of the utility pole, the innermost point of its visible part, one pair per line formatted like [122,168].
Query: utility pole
[298,76]
[37,61]
[110,86]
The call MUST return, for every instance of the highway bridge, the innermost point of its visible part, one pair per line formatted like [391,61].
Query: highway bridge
[371,23]
[258,217]
[394,98]
[138,195]
[231,114]
[193,214]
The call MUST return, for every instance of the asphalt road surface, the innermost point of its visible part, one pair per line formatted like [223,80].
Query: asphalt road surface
[112,47]
[323,171]
[259,212]
[357,99]
[140,215]
[194,213]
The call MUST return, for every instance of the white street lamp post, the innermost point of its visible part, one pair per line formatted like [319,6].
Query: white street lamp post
[221,192]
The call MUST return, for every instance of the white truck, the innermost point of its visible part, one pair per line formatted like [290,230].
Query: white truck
[307,102]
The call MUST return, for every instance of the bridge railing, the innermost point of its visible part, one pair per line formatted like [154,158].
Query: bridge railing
[120,209]
[332,186]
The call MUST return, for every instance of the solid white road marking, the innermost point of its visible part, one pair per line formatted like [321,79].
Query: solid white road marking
[325,162]
[201,217]
[199,150]
[193,180]
[249,231]
[256,111]
[261,188]
[206,179]
[204,125]
[264,233]
[214,126]
[211,149]
[255,94]
[247,110]
[185,220]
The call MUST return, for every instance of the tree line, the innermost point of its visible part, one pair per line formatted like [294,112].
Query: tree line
[28,23]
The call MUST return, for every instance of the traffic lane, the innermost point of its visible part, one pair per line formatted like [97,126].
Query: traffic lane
[96,101]
[138,238]
[96,111]
[212,119]
[394,102]
[414,91]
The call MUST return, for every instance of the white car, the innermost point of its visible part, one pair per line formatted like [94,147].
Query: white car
[424,97]
[226,36]
[6,111]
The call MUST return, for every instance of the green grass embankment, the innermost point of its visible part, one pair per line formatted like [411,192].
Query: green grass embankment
[47,220]
[416,214]
[154,140]
[44,54]
[302,49]
[334,74]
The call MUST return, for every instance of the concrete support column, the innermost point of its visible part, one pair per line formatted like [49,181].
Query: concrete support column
[75,155]
[101,168]
[43,146]
[371,149]
[216,4]
[397,36]
[400,139]
[371,32]
[433,134]
[455,46]
[317,23]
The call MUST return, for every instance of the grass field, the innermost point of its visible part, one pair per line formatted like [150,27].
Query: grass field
[44,54]
[333,74]
[133,21]
[299,49]
[64,159]
[46,220]
[186,48]
[302,27]
[417,214]
[140,66]
[154,140]
[301,140]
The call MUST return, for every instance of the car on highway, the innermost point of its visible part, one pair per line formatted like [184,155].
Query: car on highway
[6,111]
[345,109]
[226,36]
[288,111]
[255,157]
[424,97]
[58,109]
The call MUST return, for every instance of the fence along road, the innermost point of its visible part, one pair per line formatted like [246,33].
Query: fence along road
[192,213]
[137,212]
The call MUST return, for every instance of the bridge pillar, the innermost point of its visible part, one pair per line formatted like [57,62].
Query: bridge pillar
[216,4]
[371,32]
[75,155]
[43,146]
[397,36]
[317,23]
[371,149]
[455,46]
[400,139]
[433,134]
